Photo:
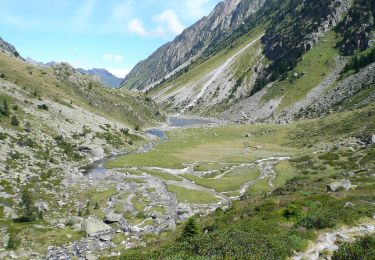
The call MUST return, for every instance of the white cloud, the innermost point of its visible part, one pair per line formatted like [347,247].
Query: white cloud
[118,72]
[170,19]
[113,58]
[196,8]
[123,10]
[83,15]
[136,26]
[166,23]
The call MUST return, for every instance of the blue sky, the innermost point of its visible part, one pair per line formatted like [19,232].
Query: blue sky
[112,34]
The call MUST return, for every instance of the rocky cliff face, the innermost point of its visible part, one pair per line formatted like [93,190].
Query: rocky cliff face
[226,17]
[358,27]
[8,48]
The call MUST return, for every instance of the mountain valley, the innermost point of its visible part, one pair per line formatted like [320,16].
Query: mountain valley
[249,136]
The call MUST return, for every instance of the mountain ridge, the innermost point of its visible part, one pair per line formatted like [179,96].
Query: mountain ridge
[195,39]
[100,74]
[104,76]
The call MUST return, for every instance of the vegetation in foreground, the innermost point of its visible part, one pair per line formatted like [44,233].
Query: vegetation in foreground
[274,223]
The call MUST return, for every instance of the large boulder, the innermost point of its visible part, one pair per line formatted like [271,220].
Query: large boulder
[343,185]
[41,205]
[92,226]
[71,221]
[371,140]
[112,217]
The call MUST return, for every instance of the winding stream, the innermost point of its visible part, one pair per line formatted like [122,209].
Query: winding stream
[97,168]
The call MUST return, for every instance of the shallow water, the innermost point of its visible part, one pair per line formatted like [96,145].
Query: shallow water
[97,169]
[159,133]
[183,122]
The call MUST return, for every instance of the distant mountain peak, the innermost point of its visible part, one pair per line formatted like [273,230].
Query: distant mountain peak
[104,76]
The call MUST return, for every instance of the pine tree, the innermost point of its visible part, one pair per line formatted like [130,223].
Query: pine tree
[191,229]
[40,215]
[13,241]
[4,109]
[356,64]
[28,209]
[15,121]
[87,212]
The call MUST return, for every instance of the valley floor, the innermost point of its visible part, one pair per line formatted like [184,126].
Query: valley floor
[251,185]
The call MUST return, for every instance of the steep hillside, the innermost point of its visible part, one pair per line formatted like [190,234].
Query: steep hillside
[279,61]
[61,82]
[174,56]
[53,121]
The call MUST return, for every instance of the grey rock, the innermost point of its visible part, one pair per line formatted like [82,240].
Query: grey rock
[340,185]
[60,203]
[349,204]
[4,195]
[105,238]
[71,221]
[183,209]
[85,149]
[90,256]
[112,217]
[172,225]
[10,213]
[92,226]
[77,227]
[42,205]
[371,140]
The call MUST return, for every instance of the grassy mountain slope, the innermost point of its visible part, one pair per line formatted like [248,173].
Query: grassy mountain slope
[298,53]
[52,122]
[64,84]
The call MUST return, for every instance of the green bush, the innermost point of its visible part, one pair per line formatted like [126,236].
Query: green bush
[329,157]
[363,249]
[317,222]
[43,107]
[29,211]
[68,148]
[15,121]
[13,241]
[4,109]
[293,212]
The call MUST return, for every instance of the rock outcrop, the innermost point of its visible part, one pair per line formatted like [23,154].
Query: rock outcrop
[112,218]
[8,48]
[93,226]
[343,185]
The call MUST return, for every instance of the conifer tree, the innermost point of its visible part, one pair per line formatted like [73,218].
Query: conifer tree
[29,212]
[87,212]
[13,241]
[15,121]
[191,229]
[4,109]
